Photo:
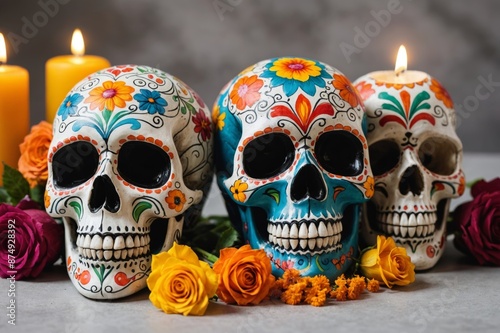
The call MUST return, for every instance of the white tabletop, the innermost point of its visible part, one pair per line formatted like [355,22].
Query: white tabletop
[455,296]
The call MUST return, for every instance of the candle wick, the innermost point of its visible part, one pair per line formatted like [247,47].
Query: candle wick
[400,71]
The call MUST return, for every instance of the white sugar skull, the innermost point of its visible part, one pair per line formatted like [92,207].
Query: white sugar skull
[292,163]
[129,163]
[416,159]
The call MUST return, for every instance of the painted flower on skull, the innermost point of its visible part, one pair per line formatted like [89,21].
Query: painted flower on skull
[246,91]
[109,95]
[151,101]
[218,118]
[441,93]
[346,90]
[202,125]
[176,200]
[365,90]
[369,186]
[238,190]
[69,106]
[295,73]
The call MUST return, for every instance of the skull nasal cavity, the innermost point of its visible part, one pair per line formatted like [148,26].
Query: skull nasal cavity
[308,183]
[411,181]
[104,194]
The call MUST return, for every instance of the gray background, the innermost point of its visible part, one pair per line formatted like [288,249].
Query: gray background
[206,43]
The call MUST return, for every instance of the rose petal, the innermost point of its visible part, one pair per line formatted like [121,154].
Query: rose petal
[483,186]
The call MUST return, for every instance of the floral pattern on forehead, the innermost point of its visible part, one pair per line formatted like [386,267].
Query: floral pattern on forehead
[111,100]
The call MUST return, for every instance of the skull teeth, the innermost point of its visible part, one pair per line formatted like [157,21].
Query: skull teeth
[112,247]
[409,225]
[306,236]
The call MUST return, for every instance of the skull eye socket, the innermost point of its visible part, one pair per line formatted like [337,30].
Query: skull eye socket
[340,153]
[438,155]
[384,156]
[268,155]
[74,164]
[143,164]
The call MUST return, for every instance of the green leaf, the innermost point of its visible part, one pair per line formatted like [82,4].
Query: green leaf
[77,207]
[4,196]
[139,209]
[15,185]
[183,109]
[273,193]
[37,193]
[210,235]
[227,239]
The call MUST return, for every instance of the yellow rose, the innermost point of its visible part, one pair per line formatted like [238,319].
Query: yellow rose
[180,283]
[388,263]
[245,275]
[34,149]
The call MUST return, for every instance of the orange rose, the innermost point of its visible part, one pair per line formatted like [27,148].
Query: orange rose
[34,149]
[244,275]
[388,263]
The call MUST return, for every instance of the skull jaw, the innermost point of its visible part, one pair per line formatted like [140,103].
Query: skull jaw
[424,251]
[123,274]
[331,261]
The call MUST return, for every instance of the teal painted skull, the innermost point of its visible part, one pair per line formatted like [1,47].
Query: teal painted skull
[292,163]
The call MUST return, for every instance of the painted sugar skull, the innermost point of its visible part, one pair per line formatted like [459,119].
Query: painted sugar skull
[292,163]
[129,163]
[416,159]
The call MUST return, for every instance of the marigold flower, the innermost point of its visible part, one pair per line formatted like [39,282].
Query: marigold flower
[293,295]
[293,289]
[340,293]
[291,276]
[357,285]
[245,275]
[180,283]
[373,286]
[388,263]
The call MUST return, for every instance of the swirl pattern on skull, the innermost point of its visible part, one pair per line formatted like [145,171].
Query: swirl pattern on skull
[292,162]
[129,164]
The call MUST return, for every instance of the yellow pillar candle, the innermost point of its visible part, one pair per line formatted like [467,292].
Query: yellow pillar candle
[63,72]
[14,109]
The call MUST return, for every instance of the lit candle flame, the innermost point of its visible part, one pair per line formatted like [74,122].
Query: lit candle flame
[3,50]
[401,61]
[77,43]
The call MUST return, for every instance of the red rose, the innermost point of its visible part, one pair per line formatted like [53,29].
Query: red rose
[479,223]
[29,240]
